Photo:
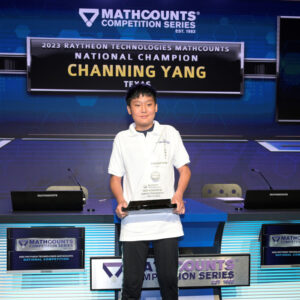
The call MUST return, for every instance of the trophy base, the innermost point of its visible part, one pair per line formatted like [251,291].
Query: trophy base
[149,206]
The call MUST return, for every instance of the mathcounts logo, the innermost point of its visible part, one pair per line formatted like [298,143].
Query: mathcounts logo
[23,243]
[275,238]
[113,269]
[180,21]
[89,15]
[284,240]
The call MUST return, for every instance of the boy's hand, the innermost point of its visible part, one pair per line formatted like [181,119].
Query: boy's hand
[120,213]
[177,199]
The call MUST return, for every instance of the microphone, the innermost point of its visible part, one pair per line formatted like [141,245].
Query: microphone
[77,182]
[264,178]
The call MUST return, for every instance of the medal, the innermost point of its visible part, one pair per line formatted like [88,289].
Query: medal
[155,176]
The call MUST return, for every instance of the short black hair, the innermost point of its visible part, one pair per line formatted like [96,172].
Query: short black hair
[140,89]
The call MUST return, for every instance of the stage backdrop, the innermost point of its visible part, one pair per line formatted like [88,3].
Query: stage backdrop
[233,104]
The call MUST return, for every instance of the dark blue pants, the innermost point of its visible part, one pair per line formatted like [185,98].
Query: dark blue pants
[134,263]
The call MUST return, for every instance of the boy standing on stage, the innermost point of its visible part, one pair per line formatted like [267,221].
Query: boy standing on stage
[145,156]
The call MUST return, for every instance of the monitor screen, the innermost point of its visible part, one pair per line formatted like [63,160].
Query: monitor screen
[288,70]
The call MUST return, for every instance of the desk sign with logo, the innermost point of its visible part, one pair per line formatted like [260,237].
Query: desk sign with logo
[280,245]
[194,272]
[37,249]
[94,65]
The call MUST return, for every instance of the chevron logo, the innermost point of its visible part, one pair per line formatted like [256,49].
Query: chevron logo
[118,266]
[93,13]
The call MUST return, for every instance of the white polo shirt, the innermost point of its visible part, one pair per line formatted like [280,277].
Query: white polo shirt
[147,167]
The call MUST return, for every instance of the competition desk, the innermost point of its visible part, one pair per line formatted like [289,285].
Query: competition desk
[210,226]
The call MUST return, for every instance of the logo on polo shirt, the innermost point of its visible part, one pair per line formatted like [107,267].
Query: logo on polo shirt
[164,141]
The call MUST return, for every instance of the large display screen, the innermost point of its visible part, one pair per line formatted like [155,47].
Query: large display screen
[67,96]
[37,249]
[288,69]
[94,65]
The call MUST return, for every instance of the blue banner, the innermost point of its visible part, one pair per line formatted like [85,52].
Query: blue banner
[45,249]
